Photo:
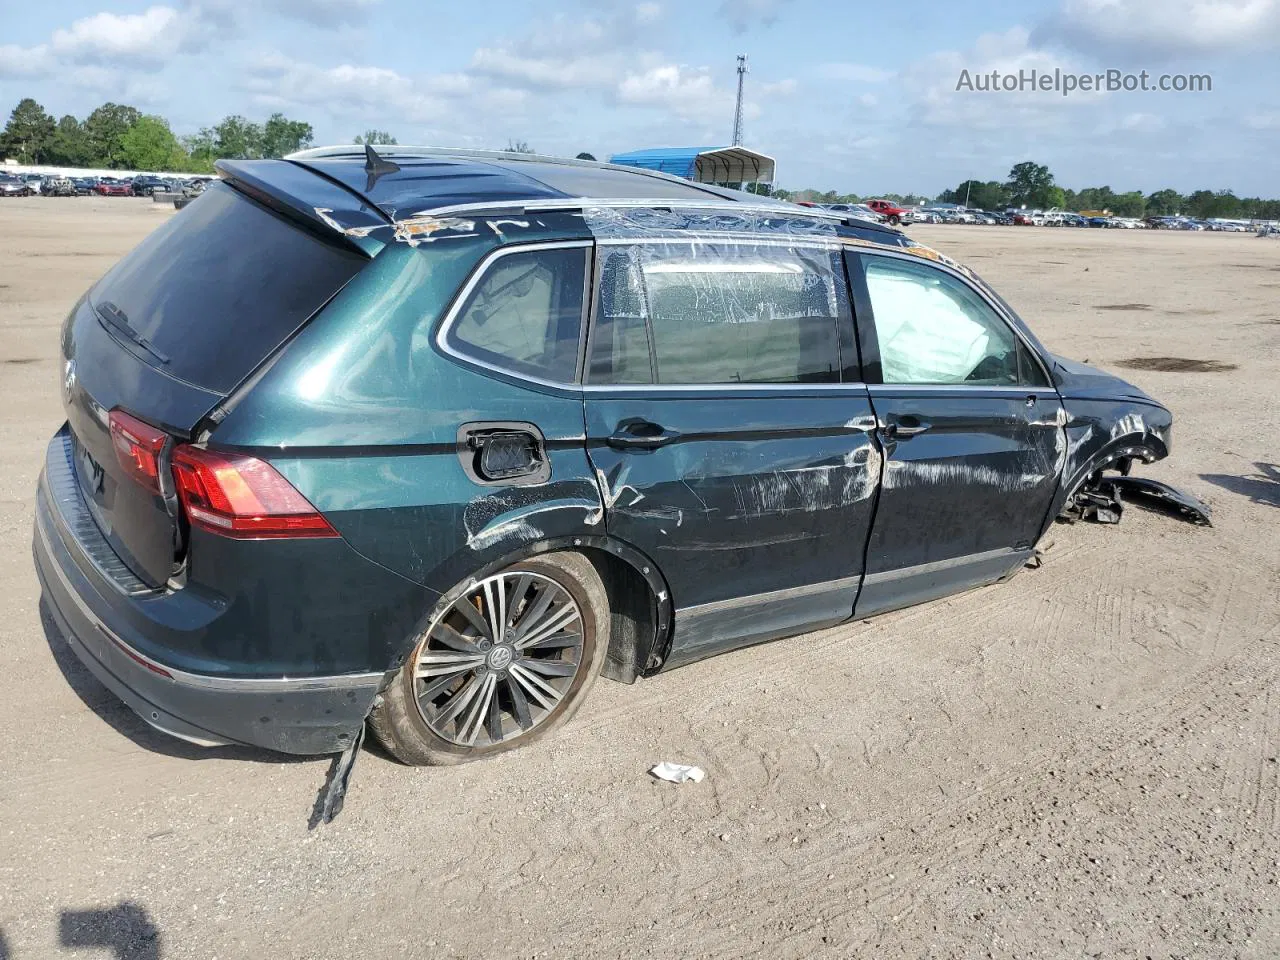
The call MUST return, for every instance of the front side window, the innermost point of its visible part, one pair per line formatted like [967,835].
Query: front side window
[932,329]
[525,314]
[716,313]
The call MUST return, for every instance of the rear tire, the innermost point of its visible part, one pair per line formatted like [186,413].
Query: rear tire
[461,696]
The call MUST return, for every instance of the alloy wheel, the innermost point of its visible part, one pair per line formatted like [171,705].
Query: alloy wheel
[499,660]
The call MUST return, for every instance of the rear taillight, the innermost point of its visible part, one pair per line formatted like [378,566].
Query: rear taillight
[138,447]
[242,497]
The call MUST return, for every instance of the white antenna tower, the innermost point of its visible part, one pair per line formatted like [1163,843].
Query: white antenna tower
[737,113]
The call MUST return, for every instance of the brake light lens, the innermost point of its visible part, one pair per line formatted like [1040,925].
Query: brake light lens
[242,497]
[138,447]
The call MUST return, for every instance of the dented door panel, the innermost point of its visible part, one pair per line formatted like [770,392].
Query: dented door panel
[756,508]
[964,499]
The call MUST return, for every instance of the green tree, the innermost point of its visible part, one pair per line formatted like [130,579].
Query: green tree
[28,136]
[150,145]
[1131,204]
[1029,183]
[979,194]
[375,138]
[200,148]
[71,146]
[237,138]
[1096,198]
[281,135]
[106,128]
[1164,203]
[1054,198]
[519,146]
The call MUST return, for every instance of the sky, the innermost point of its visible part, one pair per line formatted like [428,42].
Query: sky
[855,96]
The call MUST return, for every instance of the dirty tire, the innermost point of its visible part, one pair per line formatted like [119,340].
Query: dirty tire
[399,724]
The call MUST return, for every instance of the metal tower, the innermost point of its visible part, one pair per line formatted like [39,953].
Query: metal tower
[737,113]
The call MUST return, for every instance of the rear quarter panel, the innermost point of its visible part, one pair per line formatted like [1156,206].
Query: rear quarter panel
[361,414]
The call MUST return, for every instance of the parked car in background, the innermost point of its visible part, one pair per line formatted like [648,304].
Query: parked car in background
[84,185]
[859,210]
[113,188]
[59,187]
[1024,219]
[14,186]
[316,469]
[144,185]
[892,212]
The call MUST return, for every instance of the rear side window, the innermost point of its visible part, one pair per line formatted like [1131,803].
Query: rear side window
[933,329]
[716,313]
[222,284]
[525,314]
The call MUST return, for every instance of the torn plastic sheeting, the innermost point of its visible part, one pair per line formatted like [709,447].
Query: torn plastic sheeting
[677,772]
[694,224]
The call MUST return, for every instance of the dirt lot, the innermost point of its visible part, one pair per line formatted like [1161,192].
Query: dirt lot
[1079,763]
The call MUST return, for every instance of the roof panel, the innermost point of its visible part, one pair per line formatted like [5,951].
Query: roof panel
[586,181]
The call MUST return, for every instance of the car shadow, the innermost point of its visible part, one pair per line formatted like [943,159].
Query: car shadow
[1262,487]
[128,724]
[125,929]
[4,948]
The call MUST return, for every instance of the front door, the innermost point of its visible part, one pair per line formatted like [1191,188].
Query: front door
[972,434]
[729,446]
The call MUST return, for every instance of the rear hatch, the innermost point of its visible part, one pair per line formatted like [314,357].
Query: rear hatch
[169,333]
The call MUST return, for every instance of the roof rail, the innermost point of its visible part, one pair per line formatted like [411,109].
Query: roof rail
[550,205]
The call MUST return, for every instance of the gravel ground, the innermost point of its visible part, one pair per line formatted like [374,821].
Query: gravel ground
[1081,762]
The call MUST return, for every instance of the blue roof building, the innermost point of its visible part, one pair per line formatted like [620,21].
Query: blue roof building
[723,165]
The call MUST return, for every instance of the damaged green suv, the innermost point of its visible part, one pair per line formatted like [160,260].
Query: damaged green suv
[432,439]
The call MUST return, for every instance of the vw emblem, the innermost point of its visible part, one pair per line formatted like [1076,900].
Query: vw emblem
[68,379]
[500,658]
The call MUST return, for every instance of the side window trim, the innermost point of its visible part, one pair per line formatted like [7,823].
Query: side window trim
[477,276]
[869,344]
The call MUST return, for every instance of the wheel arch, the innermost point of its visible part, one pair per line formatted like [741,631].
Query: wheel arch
[639,599]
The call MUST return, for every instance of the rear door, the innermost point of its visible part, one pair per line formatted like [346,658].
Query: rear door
[732,442]
[972,433]
[169,332]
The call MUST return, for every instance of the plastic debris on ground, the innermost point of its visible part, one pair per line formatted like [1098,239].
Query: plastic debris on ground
[677,772]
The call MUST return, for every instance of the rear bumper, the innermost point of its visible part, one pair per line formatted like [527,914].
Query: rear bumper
[311,715]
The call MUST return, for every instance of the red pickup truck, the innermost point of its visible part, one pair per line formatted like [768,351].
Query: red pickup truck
[889,210]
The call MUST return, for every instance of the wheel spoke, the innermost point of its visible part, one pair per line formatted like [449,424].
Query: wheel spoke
[550,668]
[556,622]
[473,719]
[460,701]
[516,596]
[477,620]
[495,608]
[555,641]
[433,663]
[493,717]
[442,682]
[531,616]
[519,703]
[452,639]
[541,691]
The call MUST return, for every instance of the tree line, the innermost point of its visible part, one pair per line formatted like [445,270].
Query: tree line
[120,137]
[1032,184]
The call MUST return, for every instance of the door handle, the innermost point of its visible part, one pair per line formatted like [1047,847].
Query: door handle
[901,429]
[640,434]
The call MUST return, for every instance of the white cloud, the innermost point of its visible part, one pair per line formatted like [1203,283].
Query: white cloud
[1142,28]
[325,13]
[688,92]
[143,41]
[18,61]
[853,72]
[147,36]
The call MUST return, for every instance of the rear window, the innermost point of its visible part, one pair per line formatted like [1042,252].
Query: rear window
[220,286]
